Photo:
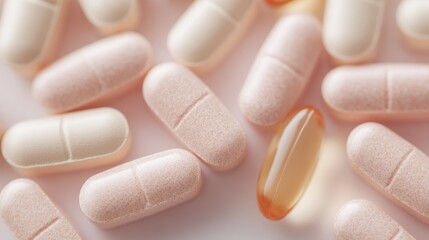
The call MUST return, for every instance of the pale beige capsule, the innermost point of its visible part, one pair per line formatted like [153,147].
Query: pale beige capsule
[392,165]
[67,142]
[112,16]
[362,220]
[195,115]
[28,32]
[208,29]
[352,29]
[141,188]
[30,214]
[413,20]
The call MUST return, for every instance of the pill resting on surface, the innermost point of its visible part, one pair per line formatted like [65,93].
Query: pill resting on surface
[352,29]
[378,92]
[277,2]
[67,142]
[94,72]
[362,220]
[282,69]
[391,165]
[312,7]
[29,30]
[413,21]
[195,115]
[289,164]
[141,188]
[30,214]
[208,29]
[112,16]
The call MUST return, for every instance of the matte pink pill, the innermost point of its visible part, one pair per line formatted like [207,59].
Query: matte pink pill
[378,92]
[392,165]
[282,69]
[140,188]
[195,115]
[96,71]
[30,214]
[362,220]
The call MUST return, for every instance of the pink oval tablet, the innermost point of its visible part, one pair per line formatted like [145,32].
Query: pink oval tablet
[30,214]
[140,188]
[282,70]
[378,92]
[392,165]
[195,115]
[98,70]
[362,220]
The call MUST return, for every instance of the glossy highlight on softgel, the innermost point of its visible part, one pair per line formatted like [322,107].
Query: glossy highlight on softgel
[30,214]
[141,188]
[290,162]
[391,165]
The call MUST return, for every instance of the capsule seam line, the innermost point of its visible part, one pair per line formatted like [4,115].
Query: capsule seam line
[222,12]
[398,166]
[45,227]
[190,108]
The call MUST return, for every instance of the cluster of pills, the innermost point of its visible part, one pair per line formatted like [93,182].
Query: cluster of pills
[78,136]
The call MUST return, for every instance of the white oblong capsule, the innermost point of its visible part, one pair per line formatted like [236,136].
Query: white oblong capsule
[112,16]
[352,29]
[93,73]
[282,69]
[208,29]
[391,165]
[29,31]
[67,142]
[30,214]
[195,115]
[362,220]
[413,21]
[141,188]
[378,92]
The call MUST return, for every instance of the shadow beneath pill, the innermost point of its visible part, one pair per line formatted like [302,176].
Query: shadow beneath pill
[75,24]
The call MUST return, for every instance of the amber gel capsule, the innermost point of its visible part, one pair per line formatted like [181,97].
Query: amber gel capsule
[290,162]
[277,2]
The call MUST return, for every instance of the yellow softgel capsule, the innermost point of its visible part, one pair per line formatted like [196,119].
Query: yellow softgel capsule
[290,162]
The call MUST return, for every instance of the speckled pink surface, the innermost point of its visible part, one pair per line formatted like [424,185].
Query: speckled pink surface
[361,219]
[392,165]
[140,188]
[397,92]
[30,213]
[195,115]
[282,69]
[226,206]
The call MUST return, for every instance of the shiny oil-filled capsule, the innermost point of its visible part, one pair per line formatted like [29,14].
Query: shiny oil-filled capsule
[277,2]
[289,164]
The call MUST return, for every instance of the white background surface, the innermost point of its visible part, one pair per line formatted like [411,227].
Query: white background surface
[226,208]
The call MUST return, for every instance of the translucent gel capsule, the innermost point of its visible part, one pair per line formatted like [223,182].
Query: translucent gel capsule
[311,7]
[277,2]
[289,164]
